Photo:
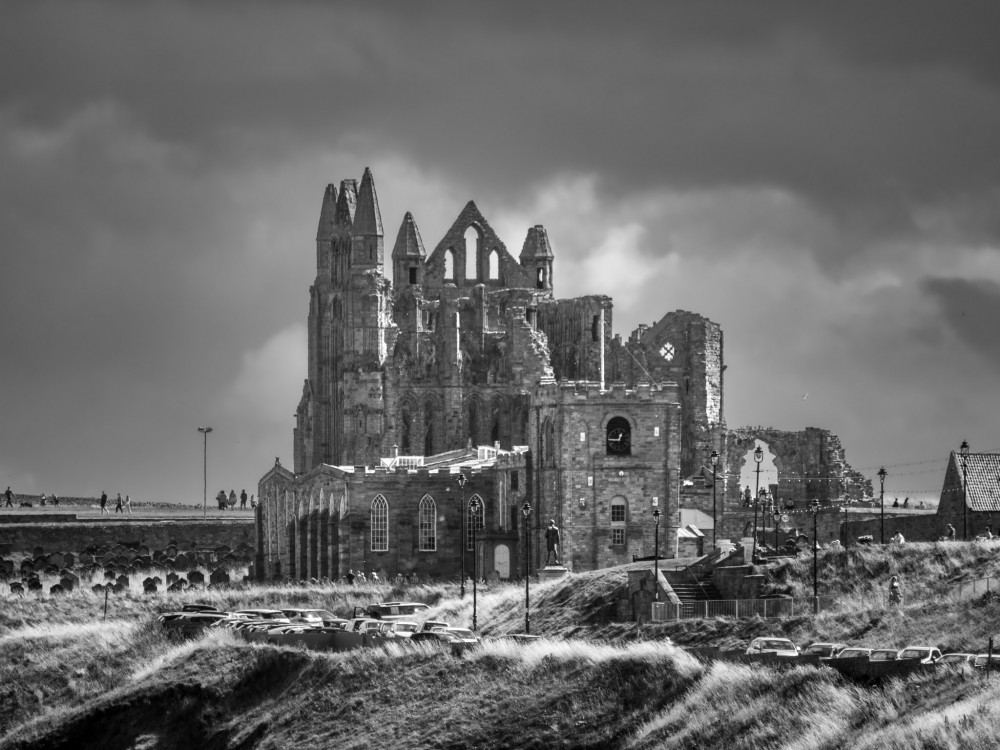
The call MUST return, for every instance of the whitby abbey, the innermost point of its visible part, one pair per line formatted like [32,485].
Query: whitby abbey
[466,366]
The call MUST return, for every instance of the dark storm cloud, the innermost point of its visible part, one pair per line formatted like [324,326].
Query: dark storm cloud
[971,310]
[784,94]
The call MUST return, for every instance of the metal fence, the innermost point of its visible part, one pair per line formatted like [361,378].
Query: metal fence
[976,588]
[741,608]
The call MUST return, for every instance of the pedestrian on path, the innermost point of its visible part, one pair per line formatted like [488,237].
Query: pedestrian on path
[128,504]
[119,504]
[895,592]
[104,504]
[8,495]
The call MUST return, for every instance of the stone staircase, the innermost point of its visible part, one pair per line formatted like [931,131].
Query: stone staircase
[696,589]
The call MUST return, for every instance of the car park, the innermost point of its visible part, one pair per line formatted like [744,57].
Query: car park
[776,646]
[854,652]
[926,654]
[883,654]
[823,650]
[982,659]
[956,659]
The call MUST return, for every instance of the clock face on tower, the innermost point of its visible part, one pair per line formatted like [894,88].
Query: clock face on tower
[618,440]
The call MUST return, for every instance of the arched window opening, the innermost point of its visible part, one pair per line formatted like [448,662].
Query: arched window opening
[449,265]
[427,524]
[380,524]
[541,278]
[474,422]
[548,444]
[494,265]
[479,519]
[429,436]
[618,437]
[618,506]
[471,254]
[405,445]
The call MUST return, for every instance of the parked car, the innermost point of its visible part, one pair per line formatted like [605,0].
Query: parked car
[854,652]
[428,625]
[982,659]
[777,646]
[264,614]
[823,650]
[883,654]
[396,610]
[431,636]
[956,659]
[926,654]
[398,628]
[309,616]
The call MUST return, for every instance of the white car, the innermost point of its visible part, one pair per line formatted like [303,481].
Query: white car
[926,654]
[777,646]
[855,653]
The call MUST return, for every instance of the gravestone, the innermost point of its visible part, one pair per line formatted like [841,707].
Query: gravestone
[219,577]
[68,584]
[16,588]
[56,589]
[195,576]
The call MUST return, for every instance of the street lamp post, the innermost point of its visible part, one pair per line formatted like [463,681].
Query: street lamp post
[474,507]
[758,456]
[204,492]
[656,553]
[461,484]
[714,458]
[777,520]
[964,450]
[882,474]
[526,510]
[814,507]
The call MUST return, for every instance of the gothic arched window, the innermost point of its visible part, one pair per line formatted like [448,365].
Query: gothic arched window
[380,524]
[427,524]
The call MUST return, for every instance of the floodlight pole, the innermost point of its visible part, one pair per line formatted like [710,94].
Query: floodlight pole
[474,506]
[814,507]
[204,493]
[964,450]
[882,474]
[714,458]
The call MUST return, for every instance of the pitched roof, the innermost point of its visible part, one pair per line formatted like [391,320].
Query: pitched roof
[408,241]
[536,243]
[367,218]
[982,478]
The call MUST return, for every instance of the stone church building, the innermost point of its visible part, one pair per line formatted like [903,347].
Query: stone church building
[467,366]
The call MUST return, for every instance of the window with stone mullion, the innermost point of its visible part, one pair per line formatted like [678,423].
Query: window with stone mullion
[380,524]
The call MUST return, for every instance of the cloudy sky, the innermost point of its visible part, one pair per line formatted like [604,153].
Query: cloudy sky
[823,181]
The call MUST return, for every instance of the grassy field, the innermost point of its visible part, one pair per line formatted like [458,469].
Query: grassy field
[70,679]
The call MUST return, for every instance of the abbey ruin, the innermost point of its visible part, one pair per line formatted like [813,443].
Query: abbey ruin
[466,366]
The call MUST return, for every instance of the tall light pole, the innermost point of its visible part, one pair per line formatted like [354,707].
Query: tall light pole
[526,510]
[758,456]
[964,450]
[714,458]
[474,507]
[461,484]
[882,474]
[204,492]
[656,552]
[777,521]
[814,507]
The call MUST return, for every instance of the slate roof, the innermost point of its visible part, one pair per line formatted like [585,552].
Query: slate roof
[982,480]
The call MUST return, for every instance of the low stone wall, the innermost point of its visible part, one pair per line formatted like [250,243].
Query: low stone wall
[926,528]
[74,536]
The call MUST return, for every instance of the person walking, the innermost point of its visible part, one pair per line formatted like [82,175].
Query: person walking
[104,504]
[243,499]
[232,499]
[895,592]
[119,504]
[8,496]
[128,504]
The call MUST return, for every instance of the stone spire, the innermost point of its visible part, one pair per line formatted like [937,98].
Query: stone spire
[408,241]
[327,215]
[347,202]
[368,218]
